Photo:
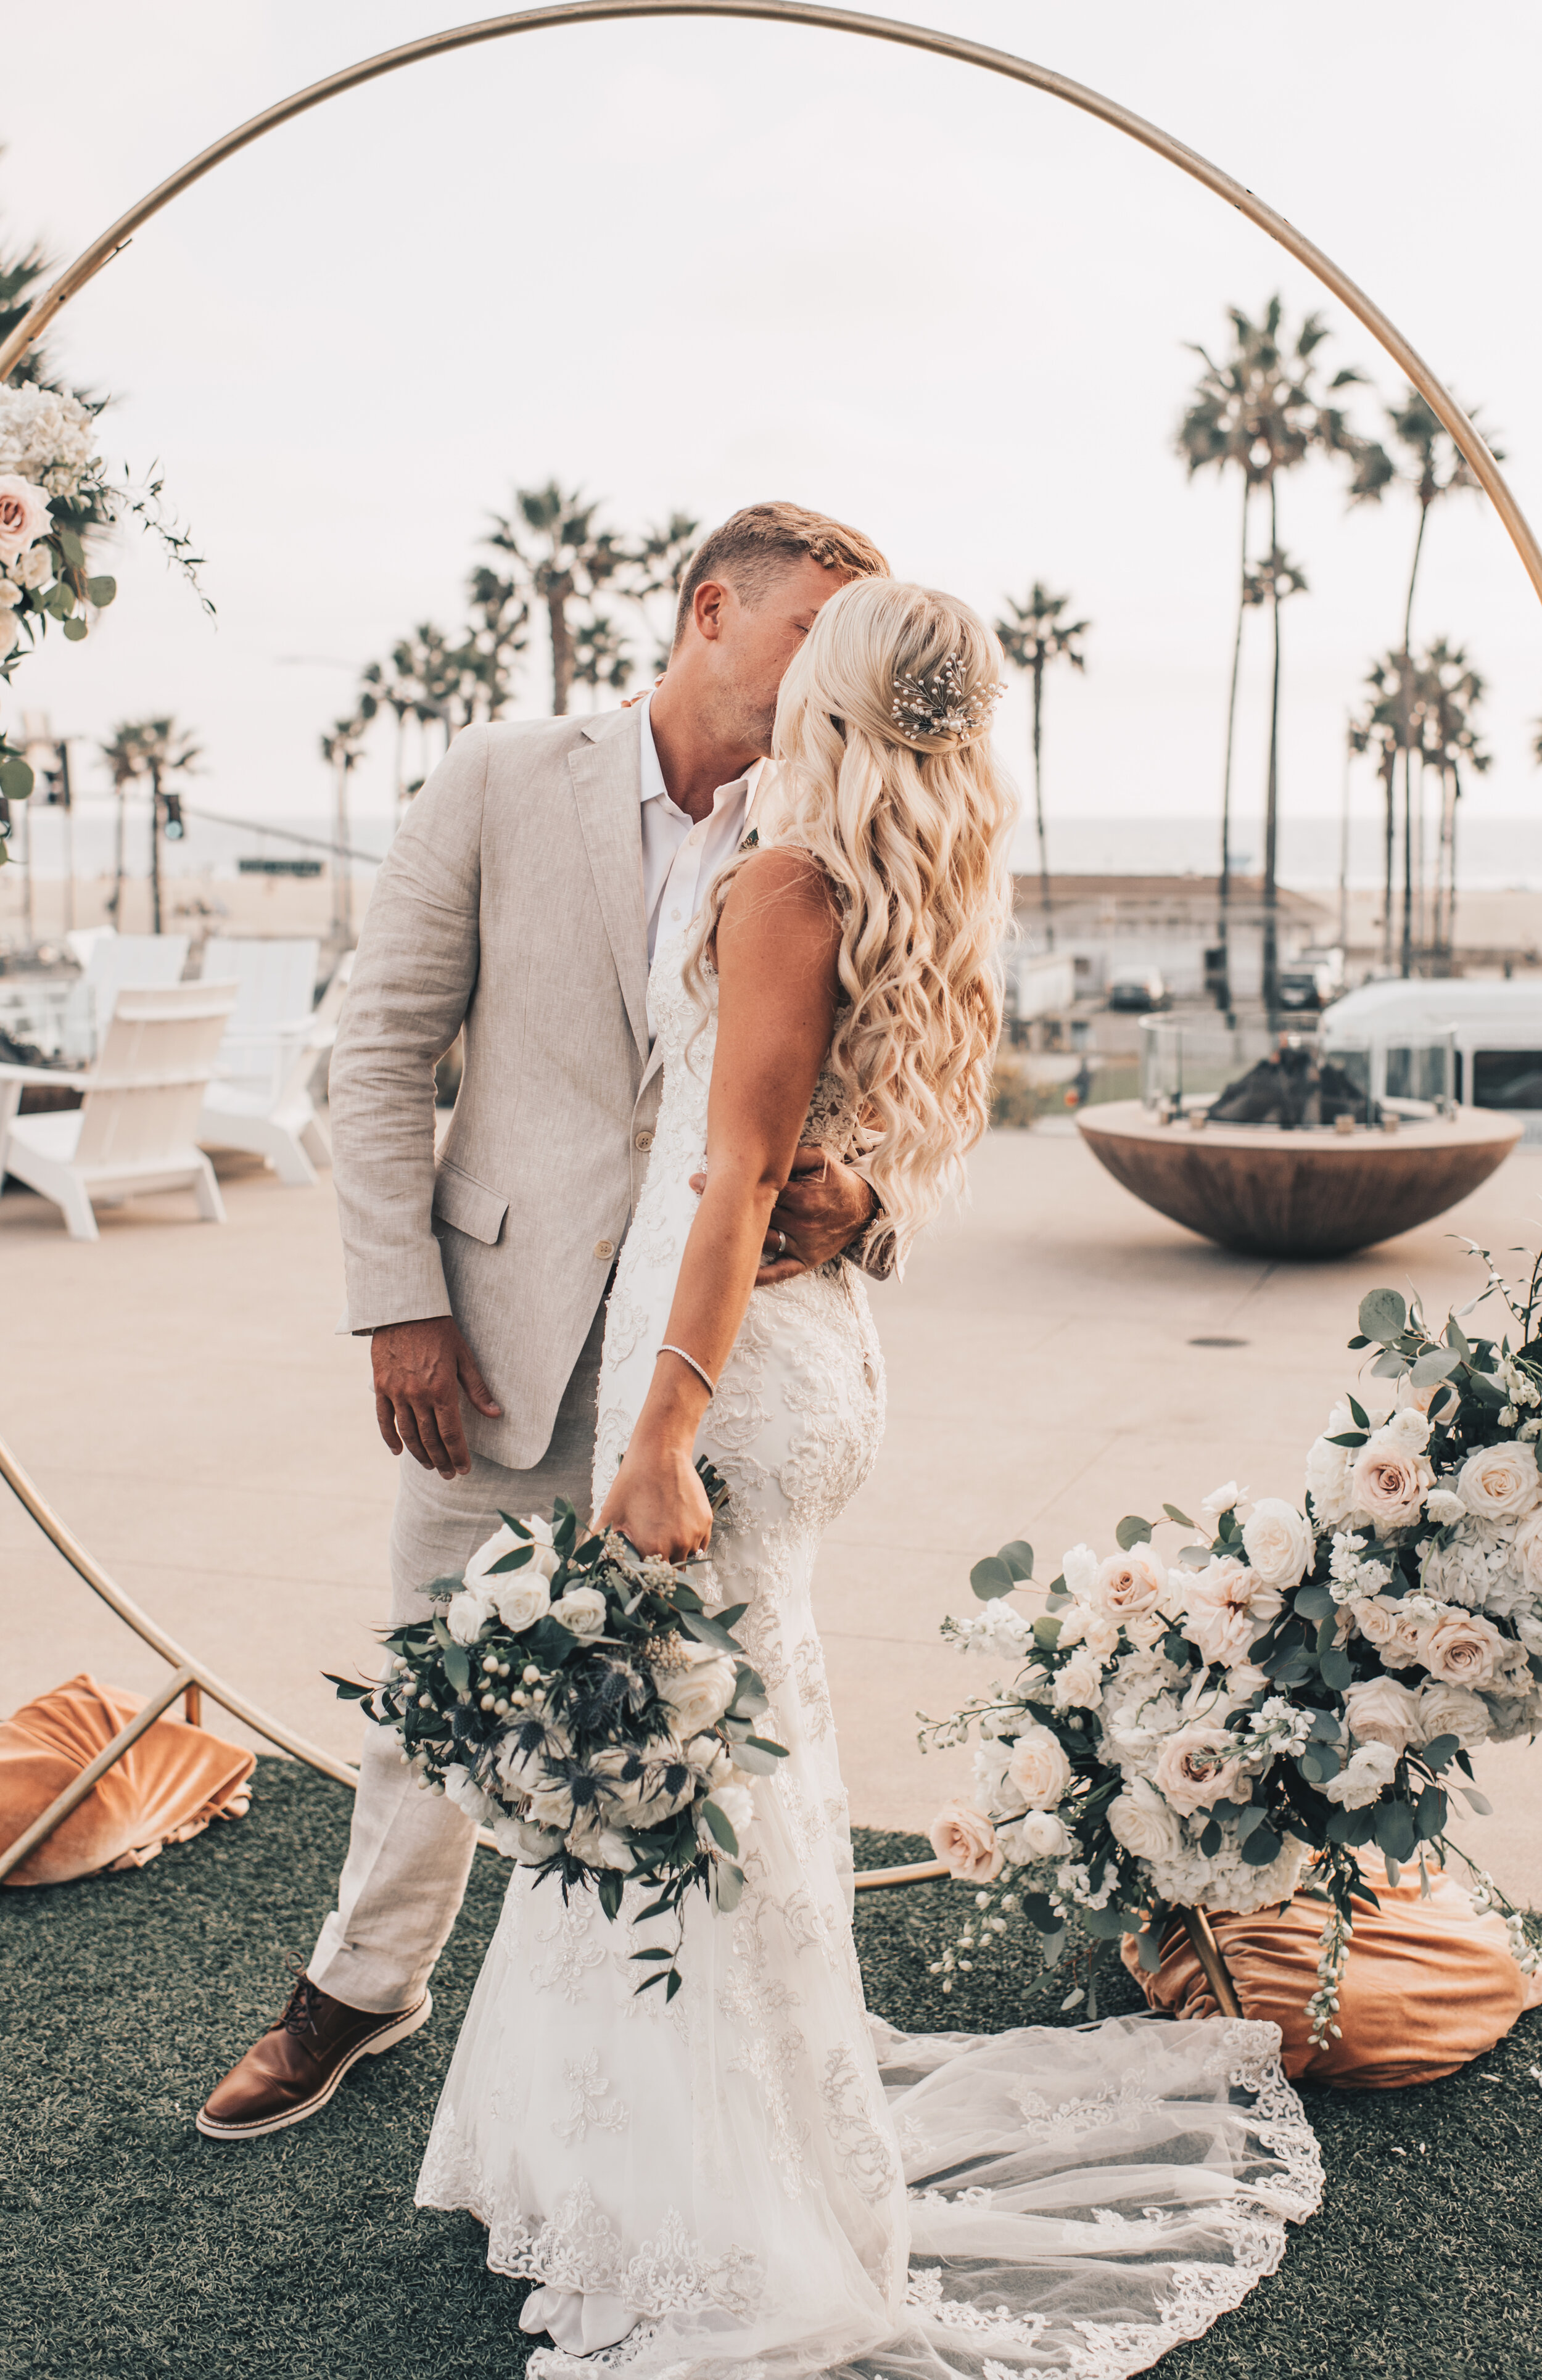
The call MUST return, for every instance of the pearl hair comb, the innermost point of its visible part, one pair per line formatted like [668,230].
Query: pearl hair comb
[939,705]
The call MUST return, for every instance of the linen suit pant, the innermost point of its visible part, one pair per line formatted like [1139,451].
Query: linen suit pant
[410,1851]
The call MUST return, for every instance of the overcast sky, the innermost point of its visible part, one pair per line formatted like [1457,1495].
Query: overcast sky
[690,264]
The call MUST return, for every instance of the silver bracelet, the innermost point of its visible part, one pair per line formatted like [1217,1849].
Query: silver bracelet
[710,1385]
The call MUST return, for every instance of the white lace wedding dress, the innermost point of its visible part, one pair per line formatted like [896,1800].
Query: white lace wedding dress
[773,2182]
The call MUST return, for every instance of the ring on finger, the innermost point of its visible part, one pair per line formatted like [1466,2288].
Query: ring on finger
[781,1245]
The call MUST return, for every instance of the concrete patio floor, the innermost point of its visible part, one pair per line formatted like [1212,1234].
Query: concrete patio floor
[177,1393]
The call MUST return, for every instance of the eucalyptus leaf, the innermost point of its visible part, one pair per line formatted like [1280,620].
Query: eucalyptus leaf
[991,1578]
[1132,1531]
[101,592]
[1436,1364]
[1314,1603]
[757,1757]
[730,1882]
[1396,1833]
[1249,1820]
[1438,1750]
[74,630]
[1148,1945]
[458,1667]
[1478,1801]
[1262,1846]
[1382,1314]
[1335,1670]
[1046,1632]
[514,1560]
[720,1827]
[1018,1556]
[1182,1518]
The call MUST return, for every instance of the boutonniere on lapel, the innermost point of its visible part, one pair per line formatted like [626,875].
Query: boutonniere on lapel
[751,840]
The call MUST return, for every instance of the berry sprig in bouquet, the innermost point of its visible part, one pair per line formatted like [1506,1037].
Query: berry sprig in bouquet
[1299,1687]
[581,1700]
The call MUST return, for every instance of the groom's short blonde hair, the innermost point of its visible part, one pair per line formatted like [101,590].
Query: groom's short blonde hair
[754,546]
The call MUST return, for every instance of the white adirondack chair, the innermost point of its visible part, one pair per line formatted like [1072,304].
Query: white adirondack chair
[114,963]
[261,1097]
[135,1128]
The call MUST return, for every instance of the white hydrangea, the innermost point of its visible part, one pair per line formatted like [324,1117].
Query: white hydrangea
[46,437]
[1226,1881]
[1471,1568]
[997,1633]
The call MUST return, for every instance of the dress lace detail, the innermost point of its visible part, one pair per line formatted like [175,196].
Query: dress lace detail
[779,2184]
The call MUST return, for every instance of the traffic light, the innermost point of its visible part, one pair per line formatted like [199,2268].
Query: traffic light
[174,828]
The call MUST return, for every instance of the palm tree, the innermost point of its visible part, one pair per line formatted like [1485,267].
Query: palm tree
[565,559]
[343,749]
[601,656]
[1385,727]
[1034,637]
[1271,581]
[501,615]
[124,754]
[1434,467]
[164,750]
[659,567]
[1449,691]
[1258,410]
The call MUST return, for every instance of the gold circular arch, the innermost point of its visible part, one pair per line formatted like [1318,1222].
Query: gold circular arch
[835,21]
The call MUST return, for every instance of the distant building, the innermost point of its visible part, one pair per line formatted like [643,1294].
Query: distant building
[1107,923]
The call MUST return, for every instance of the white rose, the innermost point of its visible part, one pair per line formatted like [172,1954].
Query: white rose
[582,1610]
[1383,1621]
[1228,1605]
[1078,1685]
[1278,1541]
[543,1563]
[1367,1769]
[11,595]
[1223,1499]
[34,566]
[1453,1710]
[1499,1482]
[466,1616]
[1443,1507]
[1038,1769]
[1038,1833]
[1079,1570]
[1510,1717]
[1381,1711]
[697,1696]
[1141,1820]
[1525,1550]
[521,1600]
[1245,1681]
[1410,1425]
[1389,1481]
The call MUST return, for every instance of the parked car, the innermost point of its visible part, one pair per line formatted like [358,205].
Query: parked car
[1311,979]
[1137,989]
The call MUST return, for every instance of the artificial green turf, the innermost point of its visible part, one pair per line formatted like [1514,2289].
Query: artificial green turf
[132,2248]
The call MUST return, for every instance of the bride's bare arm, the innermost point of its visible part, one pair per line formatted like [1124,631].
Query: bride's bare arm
[776,951]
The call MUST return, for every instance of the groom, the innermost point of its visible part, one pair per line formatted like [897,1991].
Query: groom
[521,902]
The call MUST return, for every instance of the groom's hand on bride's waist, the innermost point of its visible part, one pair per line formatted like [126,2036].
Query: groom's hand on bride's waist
[823,1207]
[420,1371]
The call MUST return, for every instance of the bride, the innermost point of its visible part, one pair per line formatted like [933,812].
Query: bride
[759,2178]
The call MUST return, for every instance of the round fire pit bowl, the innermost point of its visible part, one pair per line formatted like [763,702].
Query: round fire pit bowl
[1313,1193]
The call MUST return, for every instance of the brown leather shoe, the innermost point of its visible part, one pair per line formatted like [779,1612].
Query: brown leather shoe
[300,2062]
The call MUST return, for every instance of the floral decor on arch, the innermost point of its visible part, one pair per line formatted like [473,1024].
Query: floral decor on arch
[1298,1689]
[583,1702]
[54,498]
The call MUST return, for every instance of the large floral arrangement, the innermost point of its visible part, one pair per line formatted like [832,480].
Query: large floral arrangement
[53,496]
[1298,1687]
[580,1700]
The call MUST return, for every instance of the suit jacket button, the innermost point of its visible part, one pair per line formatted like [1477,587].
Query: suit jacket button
[605,1250]
[644,1141]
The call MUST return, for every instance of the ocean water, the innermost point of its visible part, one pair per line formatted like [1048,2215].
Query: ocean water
[1492,853]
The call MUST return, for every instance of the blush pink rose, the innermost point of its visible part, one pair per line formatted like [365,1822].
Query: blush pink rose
[965,1840]
[1228,1605]
[1389,1481]
[1381,1711]
[1382,1621]
[1129,1585]
[1196,1767]
[24,515]
[1462,1650]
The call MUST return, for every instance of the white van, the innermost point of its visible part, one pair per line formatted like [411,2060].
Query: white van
[1496,1030]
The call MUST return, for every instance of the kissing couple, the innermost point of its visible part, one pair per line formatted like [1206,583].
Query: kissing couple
[726,963]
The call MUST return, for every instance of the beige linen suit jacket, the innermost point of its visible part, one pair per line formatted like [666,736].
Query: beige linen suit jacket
[511,903]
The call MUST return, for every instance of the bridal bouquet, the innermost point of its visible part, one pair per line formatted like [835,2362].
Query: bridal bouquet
[578,1698]
[1300,1686]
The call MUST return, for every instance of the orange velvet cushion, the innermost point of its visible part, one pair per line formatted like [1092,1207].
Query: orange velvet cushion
[167,1787]
[1430,1984]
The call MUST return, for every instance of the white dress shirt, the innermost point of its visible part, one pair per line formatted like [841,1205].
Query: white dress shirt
[680,858]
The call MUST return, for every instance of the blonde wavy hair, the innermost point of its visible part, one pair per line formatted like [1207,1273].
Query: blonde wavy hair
[886,780]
